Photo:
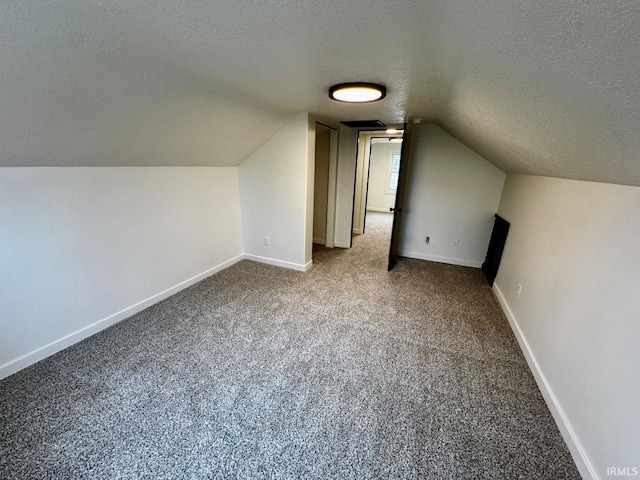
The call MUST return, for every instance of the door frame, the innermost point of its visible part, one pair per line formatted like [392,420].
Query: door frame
[361,181]
[332,180]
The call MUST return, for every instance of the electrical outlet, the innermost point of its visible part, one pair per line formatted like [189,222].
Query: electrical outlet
[427,239]
[455,242]
[266,241]
[518,290]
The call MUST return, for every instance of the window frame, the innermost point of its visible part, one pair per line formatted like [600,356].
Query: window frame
[387,188]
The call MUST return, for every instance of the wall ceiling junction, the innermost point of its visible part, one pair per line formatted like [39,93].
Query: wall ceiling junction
[549,88]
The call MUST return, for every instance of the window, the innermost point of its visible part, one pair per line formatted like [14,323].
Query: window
[392,173]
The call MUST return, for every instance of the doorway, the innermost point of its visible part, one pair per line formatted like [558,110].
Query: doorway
[376,182]
[397,173]
[321,184]
[325,151]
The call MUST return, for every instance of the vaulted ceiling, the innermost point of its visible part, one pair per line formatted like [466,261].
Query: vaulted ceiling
[546,87]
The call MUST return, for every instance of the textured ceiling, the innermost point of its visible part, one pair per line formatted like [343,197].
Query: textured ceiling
[544,87]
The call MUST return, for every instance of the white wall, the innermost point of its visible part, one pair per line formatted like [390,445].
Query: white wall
[575,249]
[377,197]
[276,197]
[82,248]
[452,194]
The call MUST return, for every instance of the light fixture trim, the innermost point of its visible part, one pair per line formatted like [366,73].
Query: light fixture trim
[357,92]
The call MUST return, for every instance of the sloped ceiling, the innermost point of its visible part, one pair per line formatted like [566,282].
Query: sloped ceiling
[545,87]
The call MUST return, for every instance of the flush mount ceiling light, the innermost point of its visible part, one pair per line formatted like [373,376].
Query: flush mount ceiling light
[357,92]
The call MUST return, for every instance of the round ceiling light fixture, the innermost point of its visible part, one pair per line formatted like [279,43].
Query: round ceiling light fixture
[357,92]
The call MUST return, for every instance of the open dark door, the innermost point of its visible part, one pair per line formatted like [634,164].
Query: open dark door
[496,246]
[400,194]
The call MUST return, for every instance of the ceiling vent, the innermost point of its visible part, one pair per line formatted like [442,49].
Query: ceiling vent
[373,124]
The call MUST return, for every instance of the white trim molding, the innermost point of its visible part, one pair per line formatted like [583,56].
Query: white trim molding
[580,457]
[279,263]
[47,350]
[435,258]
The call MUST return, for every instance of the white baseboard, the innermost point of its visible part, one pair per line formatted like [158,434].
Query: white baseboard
[319,241]
[436,258]
[580,458]
[341,245]
[380,210]
[47,350]
[279,263]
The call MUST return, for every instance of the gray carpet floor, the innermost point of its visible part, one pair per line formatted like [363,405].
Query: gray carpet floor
[346,371]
